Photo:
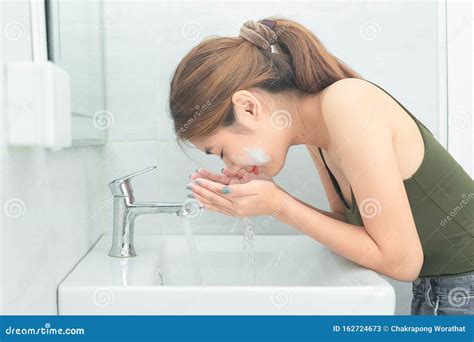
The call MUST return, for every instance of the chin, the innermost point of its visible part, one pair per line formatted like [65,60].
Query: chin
[271,170]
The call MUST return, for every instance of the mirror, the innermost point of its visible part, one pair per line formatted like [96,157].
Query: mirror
[75,43]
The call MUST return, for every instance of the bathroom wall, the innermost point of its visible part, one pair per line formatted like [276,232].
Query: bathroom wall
[393,44]
[56,203]
[50,200]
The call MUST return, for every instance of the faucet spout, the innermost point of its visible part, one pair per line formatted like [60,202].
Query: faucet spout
[126,210]
[125,213]
[156,208]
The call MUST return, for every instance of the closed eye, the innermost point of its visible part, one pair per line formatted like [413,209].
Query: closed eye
[208,151]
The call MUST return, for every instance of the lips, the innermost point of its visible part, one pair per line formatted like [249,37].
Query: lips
[255,170]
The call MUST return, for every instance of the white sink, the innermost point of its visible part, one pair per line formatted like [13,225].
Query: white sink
[291,275]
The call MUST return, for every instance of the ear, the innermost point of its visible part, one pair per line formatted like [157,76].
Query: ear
[247,107]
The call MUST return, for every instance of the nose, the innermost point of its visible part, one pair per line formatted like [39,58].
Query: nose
[234,168]
[231,166]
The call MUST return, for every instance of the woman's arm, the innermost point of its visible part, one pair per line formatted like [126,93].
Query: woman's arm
[336,216]
[357,116]
[350,241]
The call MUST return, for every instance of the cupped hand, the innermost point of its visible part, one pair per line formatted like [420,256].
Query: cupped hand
[228,177]
[244,199]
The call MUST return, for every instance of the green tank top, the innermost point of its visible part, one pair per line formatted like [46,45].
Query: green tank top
[441,196]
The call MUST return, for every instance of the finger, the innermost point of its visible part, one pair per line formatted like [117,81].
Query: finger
[199,198]
[211,196]
[216,209]
[235,181]
[231,190]
[249,176]
[203,173]
[241,173]
[205,202]
[228,173]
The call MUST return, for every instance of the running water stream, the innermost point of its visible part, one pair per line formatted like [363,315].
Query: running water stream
[249,268]
[192,250]
[247,242]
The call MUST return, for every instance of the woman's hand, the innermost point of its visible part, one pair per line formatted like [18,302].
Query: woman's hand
[227,177]
[252,198]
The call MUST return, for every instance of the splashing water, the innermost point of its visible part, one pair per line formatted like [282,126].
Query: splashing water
[192,250]
[248,241]
[247,244]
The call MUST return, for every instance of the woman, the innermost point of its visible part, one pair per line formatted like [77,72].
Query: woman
[391,186]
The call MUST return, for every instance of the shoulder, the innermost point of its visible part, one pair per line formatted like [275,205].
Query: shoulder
[353,106]
[358,122]
[350,93]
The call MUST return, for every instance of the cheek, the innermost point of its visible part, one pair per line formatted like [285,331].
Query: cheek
[257,156]
[280,154]
[250,156]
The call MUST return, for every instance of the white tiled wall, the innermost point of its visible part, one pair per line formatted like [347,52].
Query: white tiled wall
[50,202]
[62,196]
[49,222]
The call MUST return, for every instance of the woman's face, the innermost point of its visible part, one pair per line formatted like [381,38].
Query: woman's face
[263,148]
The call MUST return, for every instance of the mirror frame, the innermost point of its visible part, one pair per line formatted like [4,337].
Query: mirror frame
[88,134]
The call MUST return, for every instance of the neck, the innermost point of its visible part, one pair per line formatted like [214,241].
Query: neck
[309,127]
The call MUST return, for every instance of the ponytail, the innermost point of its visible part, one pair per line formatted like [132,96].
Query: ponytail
[207,77]
[315,68]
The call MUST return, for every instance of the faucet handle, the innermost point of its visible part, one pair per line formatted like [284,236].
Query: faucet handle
[121,179]
[122,187]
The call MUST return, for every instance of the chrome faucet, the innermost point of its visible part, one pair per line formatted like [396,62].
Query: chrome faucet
[126,211]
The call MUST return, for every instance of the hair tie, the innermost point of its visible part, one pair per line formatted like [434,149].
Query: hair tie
[260,34]
[270,23]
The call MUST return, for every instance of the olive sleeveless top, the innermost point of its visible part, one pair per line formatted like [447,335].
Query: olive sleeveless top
[441,196]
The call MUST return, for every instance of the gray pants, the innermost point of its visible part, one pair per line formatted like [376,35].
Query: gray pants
[443,295]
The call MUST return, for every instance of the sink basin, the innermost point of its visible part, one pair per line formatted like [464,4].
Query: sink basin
[283,275]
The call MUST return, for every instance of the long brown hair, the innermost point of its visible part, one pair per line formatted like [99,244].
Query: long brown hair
[207,77]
